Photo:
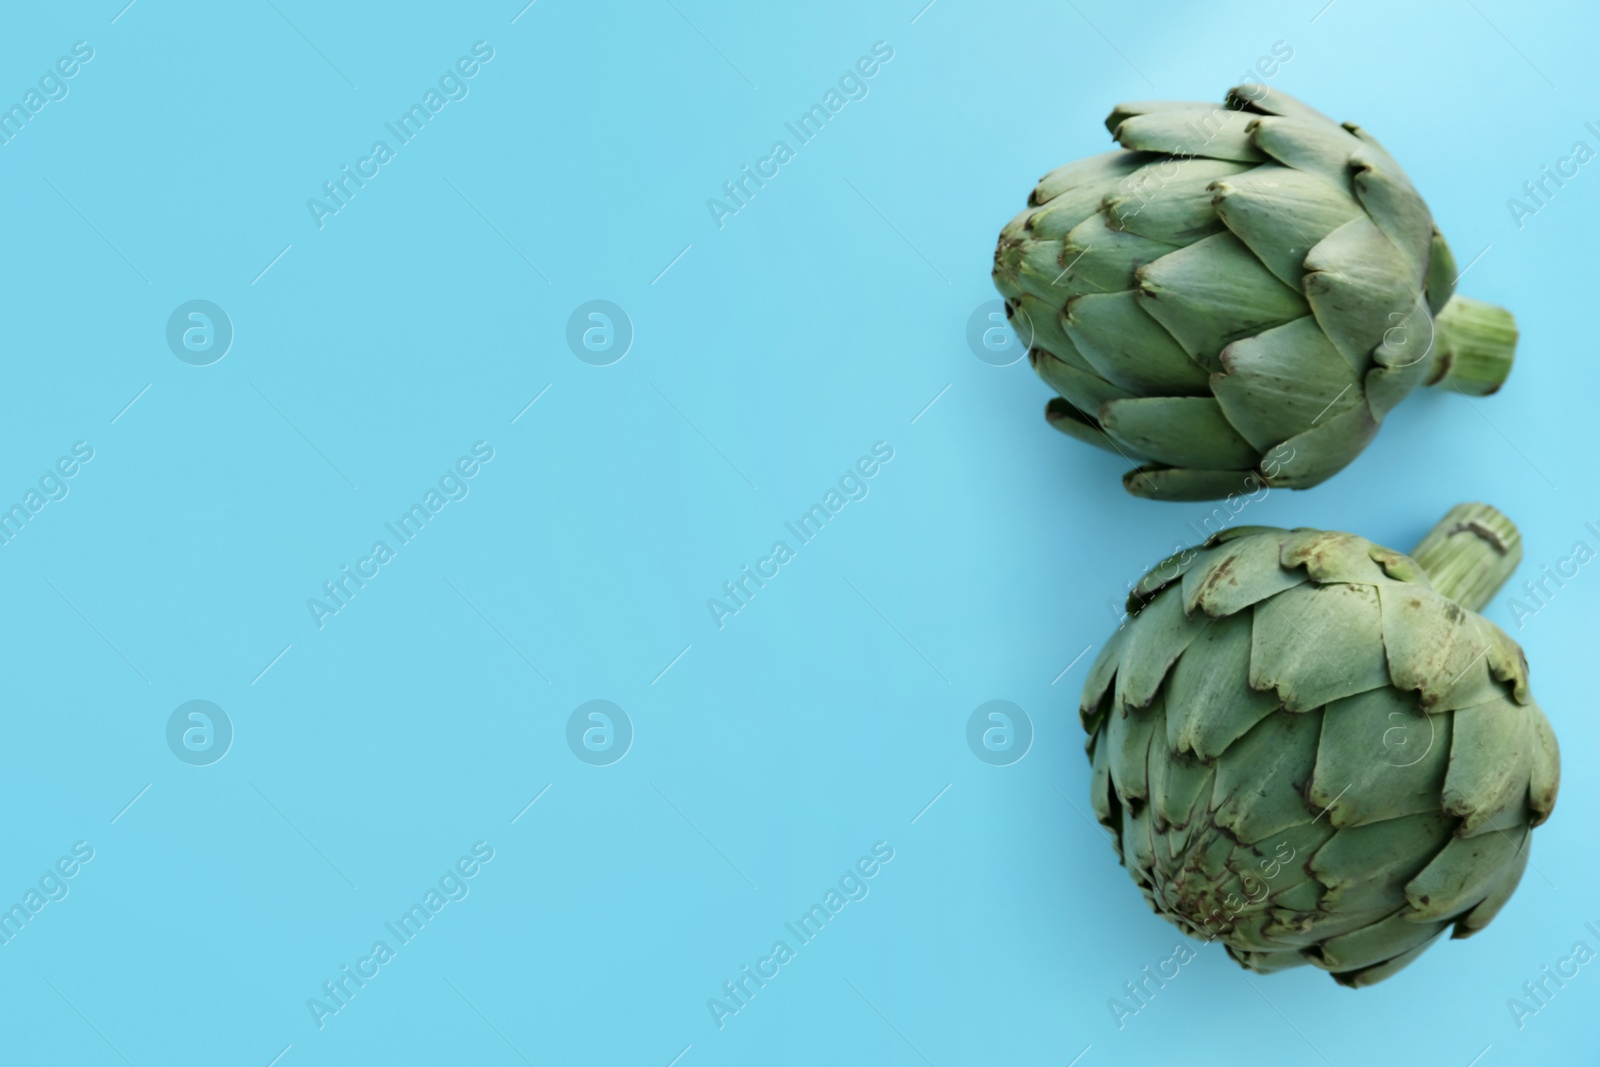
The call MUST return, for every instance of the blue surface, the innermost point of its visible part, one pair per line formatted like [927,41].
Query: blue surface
[766,757]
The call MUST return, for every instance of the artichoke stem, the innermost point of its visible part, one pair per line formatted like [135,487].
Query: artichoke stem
[1469,555]
[1474,345]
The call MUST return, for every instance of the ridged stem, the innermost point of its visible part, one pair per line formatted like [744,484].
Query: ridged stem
[1474,346]
[1469,555]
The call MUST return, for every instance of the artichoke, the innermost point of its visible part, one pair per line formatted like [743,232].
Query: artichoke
[1312,748]
[1238,297]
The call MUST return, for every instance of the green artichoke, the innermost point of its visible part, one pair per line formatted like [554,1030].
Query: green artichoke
[1239,297]
[1312,748]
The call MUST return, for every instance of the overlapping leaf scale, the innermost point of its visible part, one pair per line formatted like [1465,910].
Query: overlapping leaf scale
[1281,214]
[1180,787]
[1102,676]
[1329,446]
[1281,382]
[1545,777]
[1075,380]
[1127,347]
[1170,200]
[1315,644]
[1373,975]
[1061,414]
[1169,570]
[1380,757]
[1214,292]
[1156,638]
[1403,359]
[1102,794]
[1463,874]
[1037,324]
[1183,431]
[1210,130]
[1442,273]
[1315,147]
[1128,733]
[1107,259]
[1359,285]
[1209,704]
[1394,204]
[1243,571]
[1331,556]
[1258,789]
[1499,891]
[1263,99]
[1396,935]
[1367,867]
[1157,482]
[1087,178]
[1445,654]
[1491,766]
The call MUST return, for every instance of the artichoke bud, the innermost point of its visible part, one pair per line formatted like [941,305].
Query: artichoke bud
[1239,282]
[1312,747]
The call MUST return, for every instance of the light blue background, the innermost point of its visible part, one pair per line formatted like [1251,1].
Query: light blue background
[826,716]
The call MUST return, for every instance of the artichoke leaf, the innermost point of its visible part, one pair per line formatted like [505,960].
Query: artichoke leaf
[1394,204]
[1122,112]
[1101,796]
[1500,889]
[1359,286]
[1436,648]
[1128,733]
[1087,177]
[1160,482]
[1507,662]
[1076,382]
[1156,638]
[1267,962]
[1267,101]
[1318,148]
[1102,673]
[1107,259]
[1281,382]
[1034,267]
[1170,570]
[1381,757]
[1462,874]
[1245,572]
[1215,292]
[1315,644]
[1442,274]
[1374,944]
[1402,361]
[1373,975]
[1209,130]
[1128,347]
[1545,777]
[1491,764]
[1331,556]
[1327,447]
[1208,705]
[1183,431]
[1169,200]
[1037,324]
[1368,866]
[1178,782]
[1283,861]
[1063,415]
[1281,214]
[1138,842]
[1258,781]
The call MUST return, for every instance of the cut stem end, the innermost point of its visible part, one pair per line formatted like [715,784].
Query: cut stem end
[1469,555]
[1474,346]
